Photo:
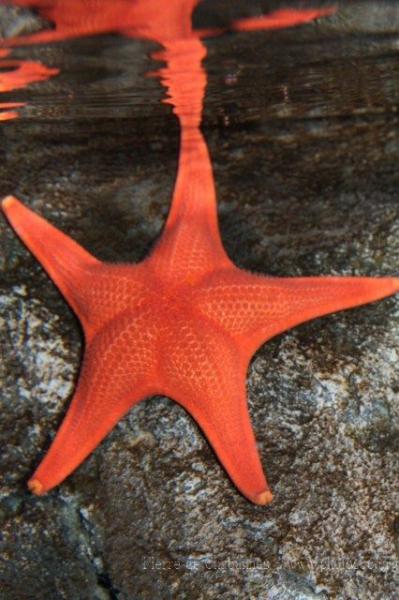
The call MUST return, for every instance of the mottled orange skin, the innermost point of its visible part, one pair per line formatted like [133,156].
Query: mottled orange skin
[183,323]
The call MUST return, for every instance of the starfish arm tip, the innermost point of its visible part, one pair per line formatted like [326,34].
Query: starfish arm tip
[36,487]
[264,498]
[8,201]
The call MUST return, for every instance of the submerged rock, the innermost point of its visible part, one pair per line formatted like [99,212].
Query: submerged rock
[151,514]
[18,21]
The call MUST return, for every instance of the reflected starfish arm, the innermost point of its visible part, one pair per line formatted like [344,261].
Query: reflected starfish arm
[6,112]
[17,74]
[111,382]
[282,18]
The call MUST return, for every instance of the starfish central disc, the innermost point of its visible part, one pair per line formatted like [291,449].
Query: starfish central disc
[183,323]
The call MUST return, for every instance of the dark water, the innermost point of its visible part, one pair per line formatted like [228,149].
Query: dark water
[292,112]
[341,66]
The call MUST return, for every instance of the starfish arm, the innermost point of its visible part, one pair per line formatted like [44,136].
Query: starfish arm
[119,370]
[226,424]
[190,244]
[255,308]
[204,373]
[282,18]
[97,292]
[64,260]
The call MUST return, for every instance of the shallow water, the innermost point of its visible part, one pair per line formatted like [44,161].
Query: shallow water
[328,84]
[314,107]
[341,66]
[302,127]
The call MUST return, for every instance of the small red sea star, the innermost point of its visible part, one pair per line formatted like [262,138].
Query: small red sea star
[183,323]
[186,321]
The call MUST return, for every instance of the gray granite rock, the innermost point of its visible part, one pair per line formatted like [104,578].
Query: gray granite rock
[18,21]
[151,514]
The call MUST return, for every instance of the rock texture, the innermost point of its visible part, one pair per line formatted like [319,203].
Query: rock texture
[151,514]
[18,21]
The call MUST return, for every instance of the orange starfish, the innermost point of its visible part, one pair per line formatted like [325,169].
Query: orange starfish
[150,19]
[183,323]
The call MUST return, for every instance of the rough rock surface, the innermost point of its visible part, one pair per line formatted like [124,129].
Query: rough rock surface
[18,21]
[151,514]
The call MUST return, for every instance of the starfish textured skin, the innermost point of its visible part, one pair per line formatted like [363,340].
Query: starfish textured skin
[186,321]
[183,323]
